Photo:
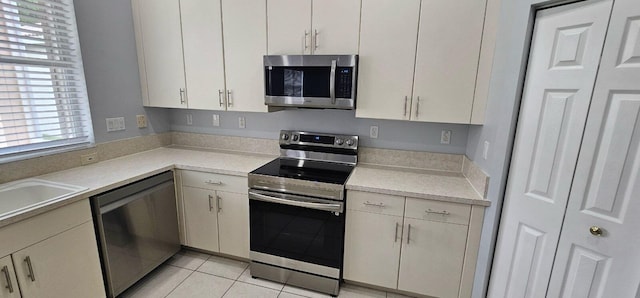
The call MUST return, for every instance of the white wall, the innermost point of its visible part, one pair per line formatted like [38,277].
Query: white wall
[512,47]
[404,135]
[111,69]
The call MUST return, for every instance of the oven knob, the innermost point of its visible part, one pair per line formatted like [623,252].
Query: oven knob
[285,136]
[339,141]
[295,138]
[350,142]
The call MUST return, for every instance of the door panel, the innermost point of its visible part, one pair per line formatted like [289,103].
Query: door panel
[245,42]
[9,287]
[388,37]
[159,29]
[200,218]
[336,27]
[447,60]
[567,43]
[233,223]
[203,61]
[607,180]
[289,27]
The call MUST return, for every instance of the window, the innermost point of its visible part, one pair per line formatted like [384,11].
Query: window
[43,98]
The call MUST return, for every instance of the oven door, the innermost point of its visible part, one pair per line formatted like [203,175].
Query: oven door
[296,232]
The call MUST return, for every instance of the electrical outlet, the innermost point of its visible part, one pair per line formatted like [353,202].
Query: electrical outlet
[142,121]
[115,124]
[445,137]
[242,122]
[216,120]
[88,159]
[373,132]
[189,119]
[485,150]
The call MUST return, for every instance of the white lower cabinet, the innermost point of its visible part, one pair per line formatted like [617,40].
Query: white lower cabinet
[214,212]
[51,255]
[412,245]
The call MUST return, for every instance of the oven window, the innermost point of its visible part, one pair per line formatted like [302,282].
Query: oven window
[308,81]
[302,234]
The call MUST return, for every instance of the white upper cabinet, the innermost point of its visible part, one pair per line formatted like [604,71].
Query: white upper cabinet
[447,60]
[297,27]
[203,58]
[245,42]
[388,34]
[336,27]
[419,60]
[159,43]
[289,29]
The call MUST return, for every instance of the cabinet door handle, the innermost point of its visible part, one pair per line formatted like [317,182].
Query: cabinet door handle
[229,99]
[406,98]
[213,182]
[220,92]
[182,99]
[219,203]
[367,203]
[408,233]
[31,275]
[306,34]
[418,107]
[315,40]
[396,237]
[9,286]
[210,203]
[443,212]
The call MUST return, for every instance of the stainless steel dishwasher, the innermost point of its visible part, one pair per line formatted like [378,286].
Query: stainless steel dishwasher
[137,228]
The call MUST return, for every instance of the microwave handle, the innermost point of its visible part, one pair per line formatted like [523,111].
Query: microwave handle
[332,82]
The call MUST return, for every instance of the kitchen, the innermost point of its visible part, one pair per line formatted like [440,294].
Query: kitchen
[110,61]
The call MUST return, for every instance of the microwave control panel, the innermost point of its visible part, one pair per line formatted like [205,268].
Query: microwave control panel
[344,82]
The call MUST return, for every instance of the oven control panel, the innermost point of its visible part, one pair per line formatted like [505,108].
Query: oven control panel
[290,137]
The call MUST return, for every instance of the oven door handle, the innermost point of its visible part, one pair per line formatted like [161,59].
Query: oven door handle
[332,207]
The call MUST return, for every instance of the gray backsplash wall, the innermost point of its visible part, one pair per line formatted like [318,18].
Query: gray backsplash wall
[404,135]
[107,41]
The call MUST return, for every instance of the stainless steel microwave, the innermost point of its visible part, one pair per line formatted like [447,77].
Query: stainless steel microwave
[310,81]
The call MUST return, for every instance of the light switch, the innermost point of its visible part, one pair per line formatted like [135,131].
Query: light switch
[115,124]
[216,120]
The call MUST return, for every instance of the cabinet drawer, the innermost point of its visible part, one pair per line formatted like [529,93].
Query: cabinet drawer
[375,203]
[438,211]
[214,181]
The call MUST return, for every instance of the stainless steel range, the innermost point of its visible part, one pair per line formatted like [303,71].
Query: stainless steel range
[296,205]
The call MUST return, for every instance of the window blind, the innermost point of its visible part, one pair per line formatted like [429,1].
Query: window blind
[43,99]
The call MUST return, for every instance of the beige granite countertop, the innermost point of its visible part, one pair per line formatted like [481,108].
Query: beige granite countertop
[106,175]
[433,185]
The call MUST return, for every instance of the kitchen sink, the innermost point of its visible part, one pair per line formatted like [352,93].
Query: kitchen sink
[28,194]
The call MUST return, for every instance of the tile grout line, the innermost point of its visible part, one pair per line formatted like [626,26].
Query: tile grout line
[174,288]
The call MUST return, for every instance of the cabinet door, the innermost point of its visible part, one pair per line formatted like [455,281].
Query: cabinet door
[447,60]
[372,248]
[203,60]
[233,223]
[8,283]
[336,27]
[200,218]
[432,257]
[388,36]
[289,27]
[159,40]
[65,265]
[245,42]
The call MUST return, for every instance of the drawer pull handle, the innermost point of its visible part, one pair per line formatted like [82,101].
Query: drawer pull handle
[367,203]
[9,286]
[443,212]
[213,182]
[30,275]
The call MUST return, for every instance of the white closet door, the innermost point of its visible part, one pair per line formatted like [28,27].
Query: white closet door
[203,60]
[336,27]
[566,47]
[607,180]
[289,27]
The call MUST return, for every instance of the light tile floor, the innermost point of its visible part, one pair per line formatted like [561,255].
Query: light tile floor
[192,274]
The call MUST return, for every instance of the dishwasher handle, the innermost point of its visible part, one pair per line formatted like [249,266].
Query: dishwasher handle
[137,196]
